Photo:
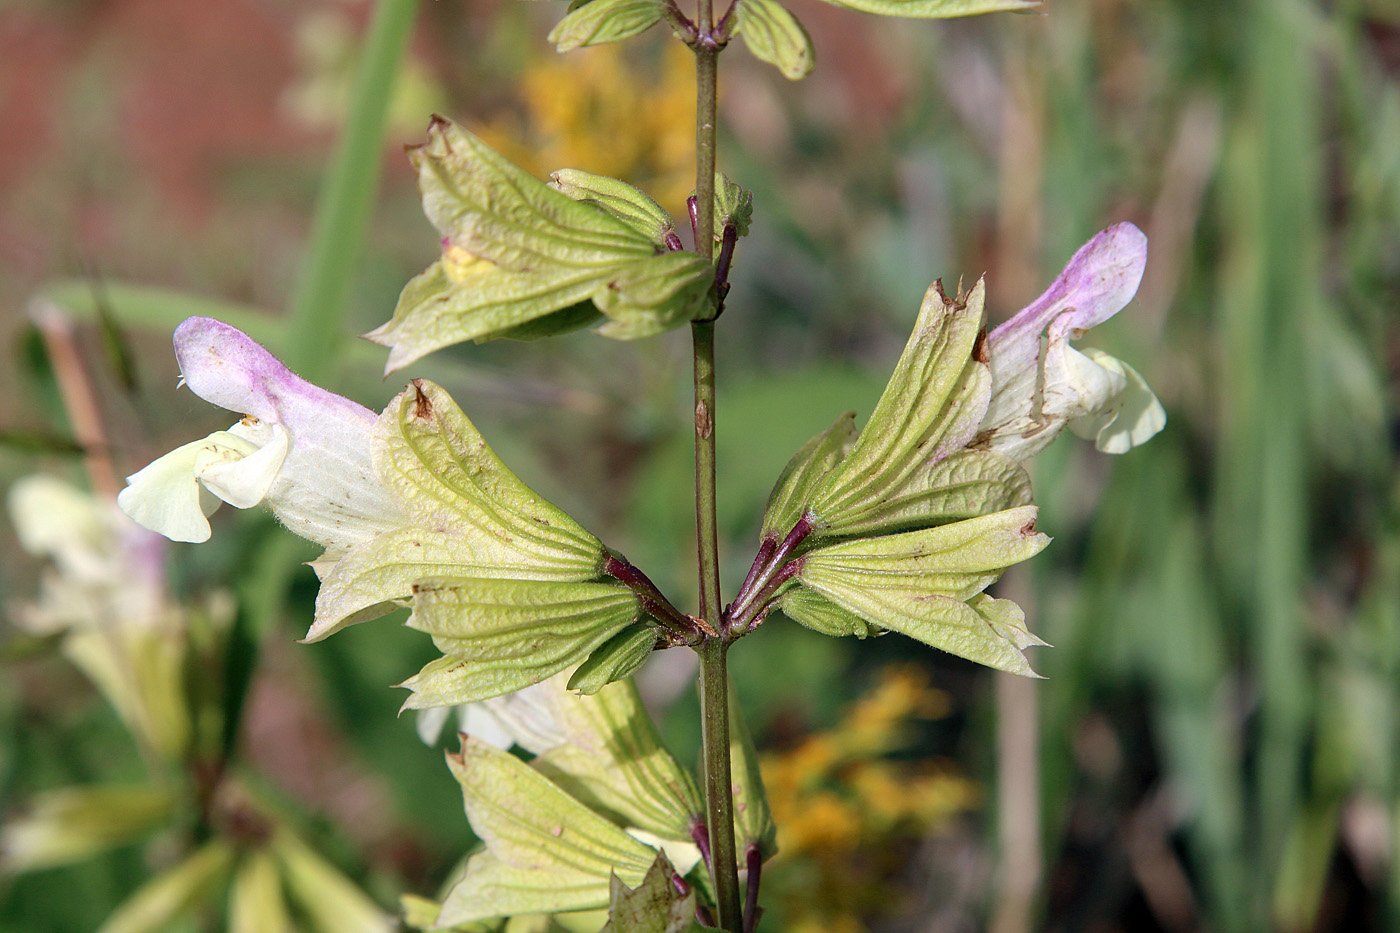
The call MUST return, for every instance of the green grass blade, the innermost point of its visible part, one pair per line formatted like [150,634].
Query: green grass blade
[345,204]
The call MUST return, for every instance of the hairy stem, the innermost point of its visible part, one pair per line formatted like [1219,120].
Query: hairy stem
[719,791]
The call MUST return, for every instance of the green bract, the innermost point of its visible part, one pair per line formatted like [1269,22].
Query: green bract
[804,474]
[613,761]
[918,583]
[71,824]
[775,36]
[326,898]
[499,635]
[902,527]
[468,516]
[930,409]
[632,206]
[176,892]
[652,906]
[935,9]
[733,207]
[820,614]
[523,260]
[753,820]
[255,899]
[545,851]
[615,659]
[601,21]
[963,485]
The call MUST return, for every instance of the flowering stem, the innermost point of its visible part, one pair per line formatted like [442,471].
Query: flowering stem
[714,677]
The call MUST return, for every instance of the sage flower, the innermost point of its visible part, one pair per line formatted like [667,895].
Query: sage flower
[1041,384]
[300,450]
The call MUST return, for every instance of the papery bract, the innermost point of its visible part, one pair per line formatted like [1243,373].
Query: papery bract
[523,259]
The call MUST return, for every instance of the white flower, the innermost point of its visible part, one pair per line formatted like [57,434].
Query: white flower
[1039,388]
[527,718]
[105,596]
[300,450]
[105,571]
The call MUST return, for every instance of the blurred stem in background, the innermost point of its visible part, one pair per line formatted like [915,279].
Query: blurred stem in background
[344,208]
[1020,232]
[1233,740]
[1268,299]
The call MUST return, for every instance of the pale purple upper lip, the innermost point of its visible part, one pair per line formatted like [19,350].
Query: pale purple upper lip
[1099,280]
[226,367]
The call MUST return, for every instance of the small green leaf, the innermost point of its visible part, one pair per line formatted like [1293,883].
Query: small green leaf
[917,583]
[775,36]
[804,474]
[471,517]
[630,205]
[501,635]
[545,851]
[733,207]
[810,608]
[143,679]
[174,893]
[653,906]
[615,659]
[437,309]
[329,900]
[603,21]
[931,408]
[935,9]
[643,299]
[75,823]
[957,559]
[613,760]
[496,211]
[432,455]
[1007,619]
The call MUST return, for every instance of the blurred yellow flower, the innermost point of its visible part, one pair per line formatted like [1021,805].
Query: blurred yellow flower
[841,806]
[606,111]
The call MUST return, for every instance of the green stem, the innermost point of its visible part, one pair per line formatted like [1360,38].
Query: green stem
[719,790]
[714,678]
[707,96]
[706,532]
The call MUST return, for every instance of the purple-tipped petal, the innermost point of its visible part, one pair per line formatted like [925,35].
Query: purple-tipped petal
[226,367]
[326,488]
[1100,279]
